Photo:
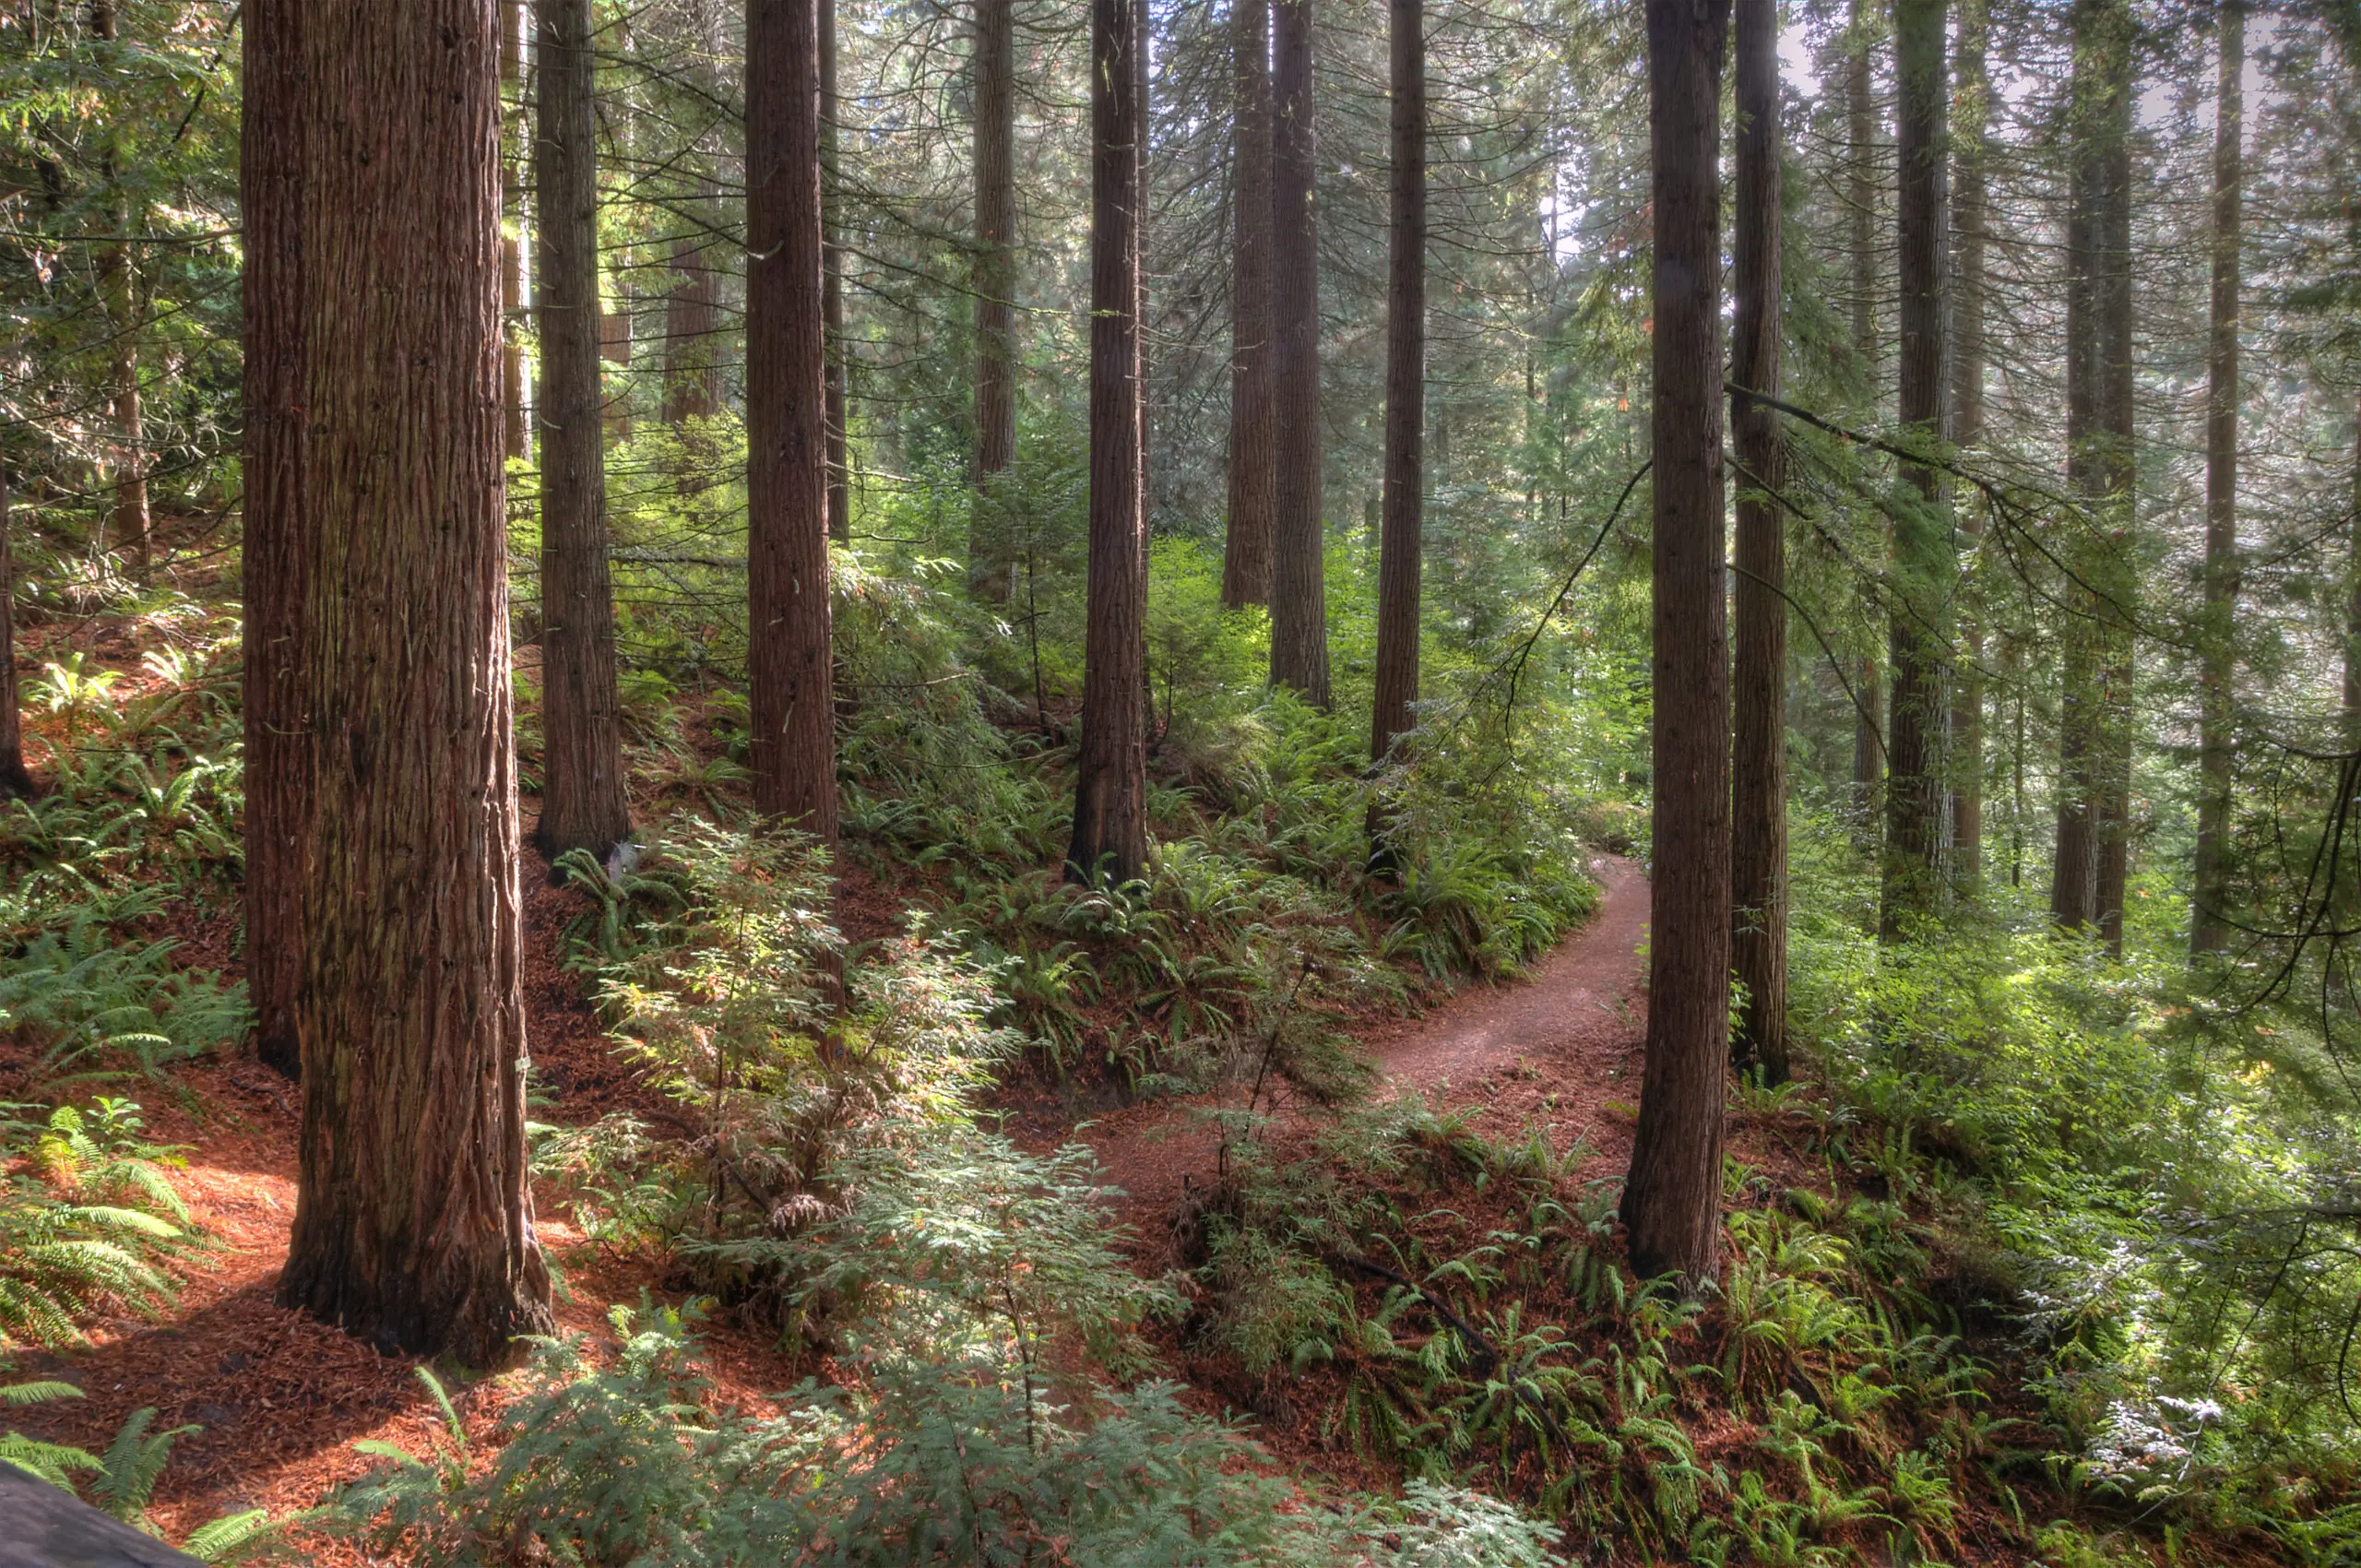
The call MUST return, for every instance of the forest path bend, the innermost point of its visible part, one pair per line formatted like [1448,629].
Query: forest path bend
[1558,1048]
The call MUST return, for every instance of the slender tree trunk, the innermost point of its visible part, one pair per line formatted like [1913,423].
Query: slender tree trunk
[2207,931]
[2073,896]
[119,280]
[1405,389]
[1111,787]
[413,1224]
[692,321]
[832,281]
[1254,450]
[584,802]
[2353,601]
[1759,680]
[518,442]
[2119,478]
[991,564]
[274,552]
[1971,100]
[1861,200]
[1298,597]
[15,784]
[1672,1200]
[790,672]
[1918,810]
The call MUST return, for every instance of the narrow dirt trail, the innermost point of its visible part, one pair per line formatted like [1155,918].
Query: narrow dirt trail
[1559,1049]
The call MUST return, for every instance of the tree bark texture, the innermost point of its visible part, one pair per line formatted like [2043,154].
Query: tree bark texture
[584,802]
[1918,709]
[1861,201]
[517,435]
[1759,677]
[275,548]
[413,1224]
[15,784]
[1971,107]
[790,672]
[991,562]
[1672,1200]
[2119,478]
[1111,787]
[2209,933]
[1403,518]
[1253,449]
[1298,595]
[832,282]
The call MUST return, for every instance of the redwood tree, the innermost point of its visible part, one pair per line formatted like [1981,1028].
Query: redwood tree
[788,671]
[832,282]
[1759,781]
[413,1225]
[15,784]
[1917,809]
[1972,109]
[272,149]
[1672,1199]
[2209,933]
[1110,785]
[1253,444]
[991,564]
[517,437]
[1299,599]
[584,805]
[1405,389]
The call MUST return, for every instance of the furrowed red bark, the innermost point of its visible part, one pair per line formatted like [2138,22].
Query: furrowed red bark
[2209,931]
[789,674]
[1918,807]
[1405,391]
[1110,840]
[991,564]
[1759,677]
[274,551]
[1299,598]
[413,1224]
[1672,1200]
[1254,450]
[584,802]
[517,436]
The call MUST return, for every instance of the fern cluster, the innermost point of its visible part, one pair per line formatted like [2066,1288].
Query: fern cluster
[88,1227]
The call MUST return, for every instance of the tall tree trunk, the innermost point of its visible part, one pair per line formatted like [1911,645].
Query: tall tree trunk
[832,280]
[2352,714]
[119,281]
[992,564]
[2207,931]
[2074,894]
[274,550]
[413,1224]
[1110,785]
[584,802]
[2119,478]
[518,435]
[1253,449]
[1672,1200]
[1917,809]
[1971,100]
[1405,389]
[1861,200]
[1298,597]
[15,784]
[1759,679]
[788,665]
[692,320]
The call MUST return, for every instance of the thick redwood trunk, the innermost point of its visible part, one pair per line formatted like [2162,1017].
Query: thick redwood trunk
[1406,391]
[1918,807]
[1111,787]
[1298,597]
[274,550]
[517,435]
[832,282]
[1253,447]
[584,803]
[15,784]
[1971,100]
[1672,1200]
[1759,677]
[991,561]
[2208,932]
[413,1224]
[788,672]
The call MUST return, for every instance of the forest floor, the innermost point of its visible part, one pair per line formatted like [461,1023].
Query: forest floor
[277,1399]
